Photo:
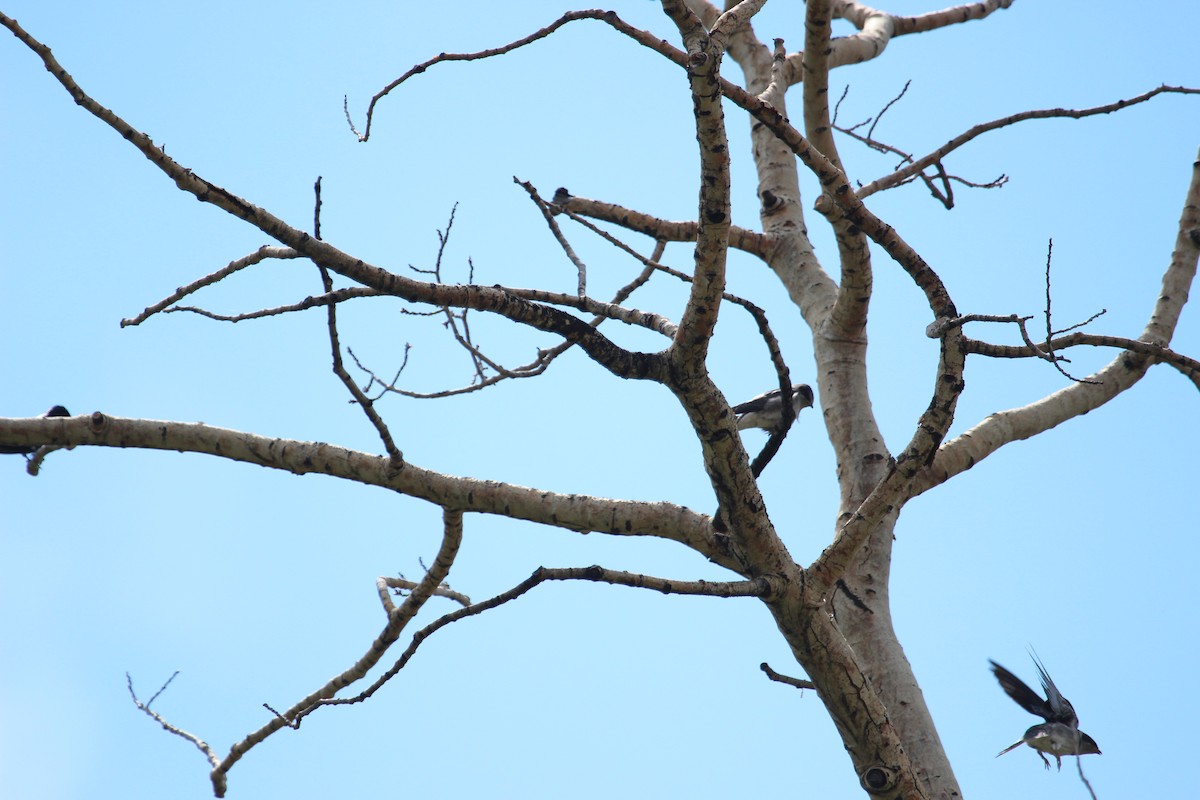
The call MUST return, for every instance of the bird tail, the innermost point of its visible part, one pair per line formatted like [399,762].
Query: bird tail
[1011,747]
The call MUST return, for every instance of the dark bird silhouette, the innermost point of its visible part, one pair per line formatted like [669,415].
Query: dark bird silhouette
[1059,735]
[766,410]
[56,411]
[561,197]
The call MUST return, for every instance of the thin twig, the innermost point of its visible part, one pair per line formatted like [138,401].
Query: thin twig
[918,165]
[754,588]
[740,238]
[884,110]
[360,397]
[398,618]
[1049,326]
[442,57]
[544,207]
[1082,777]
[943,194]
[1189,367]
[404,585]
[200,744]
[317,208]
[789,680]
[261,254]
[336,296]
[1048,347]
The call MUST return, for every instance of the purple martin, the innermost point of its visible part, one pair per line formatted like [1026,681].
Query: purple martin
[13,449]
[1059,735]
[766,410]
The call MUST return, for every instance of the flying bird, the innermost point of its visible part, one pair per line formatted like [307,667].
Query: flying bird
[56,411]
[1059,735]
[766,410]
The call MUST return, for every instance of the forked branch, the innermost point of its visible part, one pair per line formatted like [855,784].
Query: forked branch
[398,618]
[1160,354]
[755,588]
[740,238]
[1006,427]
[200,744]
[919,165]
[258,256]
[492,299]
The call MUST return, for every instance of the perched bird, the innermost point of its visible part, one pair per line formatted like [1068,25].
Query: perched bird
[766,410]
[56,411]
[1059,735]
[561,197]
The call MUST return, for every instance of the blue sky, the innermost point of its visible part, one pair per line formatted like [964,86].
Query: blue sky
[259,586]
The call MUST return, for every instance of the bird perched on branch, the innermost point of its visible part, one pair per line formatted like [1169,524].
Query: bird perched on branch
[1059,735]
[766,410]
[56,411]
[561,197]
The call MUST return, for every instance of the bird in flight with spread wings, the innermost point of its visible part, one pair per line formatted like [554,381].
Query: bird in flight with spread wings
[1059,735]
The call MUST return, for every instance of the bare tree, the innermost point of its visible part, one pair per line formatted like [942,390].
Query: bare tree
[834,613]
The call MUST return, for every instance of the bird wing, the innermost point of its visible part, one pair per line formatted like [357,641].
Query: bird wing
[757,403]
[802,394]
[1025,697]
[1060,706]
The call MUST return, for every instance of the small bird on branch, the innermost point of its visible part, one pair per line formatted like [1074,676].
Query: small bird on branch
[766,410]
[56,411]
[1059,735]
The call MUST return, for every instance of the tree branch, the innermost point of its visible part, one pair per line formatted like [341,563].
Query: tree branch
[891,493]
[919,165]
[575,512]
[328,299]
[541,33]
[754,540]
[542,575]
[690,347]
[200,744]
[261,254]
[878,28]
[790,681]
[626,364]
[848,317]
[837,185]
[339,369]
[398,618]
[940,185]
[933,20]
[740,238]
[1005,427]
[548,215]
[1188,367]
[402,584]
